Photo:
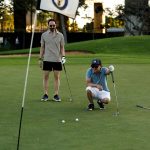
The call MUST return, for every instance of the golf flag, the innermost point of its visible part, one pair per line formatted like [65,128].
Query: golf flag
[64,7]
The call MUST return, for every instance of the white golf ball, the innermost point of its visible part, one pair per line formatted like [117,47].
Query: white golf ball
[76,119]
[63,121]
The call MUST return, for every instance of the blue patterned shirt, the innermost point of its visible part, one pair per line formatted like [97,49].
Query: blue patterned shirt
[98,78]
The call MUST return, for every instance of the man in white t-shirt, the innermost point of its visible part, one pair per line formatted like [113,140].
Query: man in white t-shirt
[52,56]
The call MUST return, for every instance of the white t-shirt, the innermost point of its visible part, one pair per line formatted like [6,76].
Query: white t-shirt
[52,43]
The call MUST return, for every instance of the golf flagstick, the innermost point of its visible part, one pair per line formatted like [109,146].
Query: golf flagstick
[116,98]
[26,80]
[68,82]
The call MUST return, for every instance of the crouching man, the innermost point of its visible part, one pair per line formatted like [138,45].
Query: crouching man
[96,82]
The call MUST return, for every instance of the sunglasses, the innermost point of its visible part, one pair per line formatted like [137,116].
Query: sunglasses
[94,67]
[52,26]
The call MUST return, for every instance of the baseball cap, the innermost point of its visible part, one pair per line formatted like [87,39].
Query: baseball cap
[95,63]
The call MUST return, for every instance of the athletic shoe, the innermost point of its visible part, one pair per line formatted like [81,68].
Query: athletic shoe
[91,107]
[44,98]
[101,105]
[56,98]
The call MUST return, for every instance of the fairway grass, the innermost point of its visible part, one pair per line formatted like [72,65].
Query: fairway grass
[130,45]
[42,128]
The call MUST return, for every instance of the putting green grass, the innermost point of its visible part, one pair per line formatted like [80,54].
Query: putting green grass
[42,128]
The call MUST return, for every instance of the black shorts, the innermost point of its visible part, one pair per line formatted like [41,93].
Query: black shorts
[49,66]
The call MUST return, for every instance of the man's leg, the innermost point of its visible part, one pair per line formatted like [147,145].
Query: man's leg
[105,97]
[45,85]
[46,81]
[90,98]
[101,102]
[56,82]
[105,100]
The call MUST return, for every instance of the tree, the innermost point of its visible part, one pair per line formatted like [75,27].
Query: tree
[5,15]
[21,7]
[82,4]
[113,18]
[42,17]
[2,9]
[137,17]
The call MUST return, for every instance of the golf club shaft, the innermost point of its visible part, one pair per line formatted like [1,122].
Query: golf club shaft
[68,82]
[112,75]
[117,104]
[140,106]
[116,97]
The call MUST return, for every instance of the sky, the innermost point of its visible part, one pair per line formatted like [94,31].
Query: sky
[89,12]
[7,1]
[111,3]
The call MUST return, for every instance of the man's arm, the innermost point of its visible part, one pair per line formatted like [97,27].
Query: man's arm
[110,69]
[62,50]
[89,83]
[42,50]
[107,71]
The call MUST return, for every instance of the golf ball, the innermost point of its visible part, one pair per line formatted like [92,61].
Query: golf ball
[63,121]
[76,119]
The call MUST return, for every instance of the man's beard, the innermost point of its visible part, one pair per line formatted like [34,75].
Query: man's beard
[52,29]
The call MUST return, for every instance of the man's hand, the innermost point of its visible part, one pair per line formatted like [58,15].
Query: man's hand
[99,87]
[63,60]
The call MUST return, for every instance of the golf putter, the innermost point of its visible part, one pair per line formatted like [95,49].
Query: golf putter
[140,106]
[116,98]
[71,98]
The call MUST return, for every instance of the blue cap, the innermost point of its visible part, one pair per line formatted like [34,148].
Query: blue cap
[95,63]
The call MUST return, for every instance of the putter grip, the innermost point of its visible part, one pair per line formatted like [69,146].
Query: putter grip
[112,75]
